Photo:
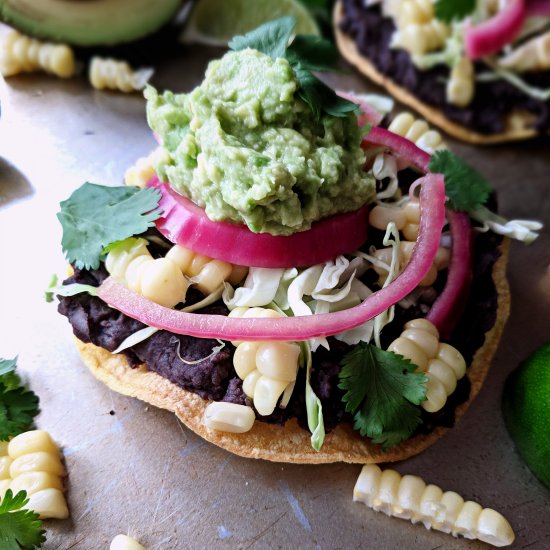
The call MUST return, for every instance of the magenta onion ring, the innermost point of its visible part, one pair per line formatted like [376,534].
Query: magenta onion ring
[184,223]
[492,35]
[368,114]
[432,205]
[449,305]
[402,147]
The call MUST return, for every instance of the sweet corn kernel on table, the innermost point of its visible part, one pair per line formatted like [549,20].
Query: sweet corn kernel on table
[134,469]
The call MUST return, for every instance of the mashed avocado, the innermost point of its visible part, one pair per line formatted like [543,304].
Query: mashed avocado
[243,146]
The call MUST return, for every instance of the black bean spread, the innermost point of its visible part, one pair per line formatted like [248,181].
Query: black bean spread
[493,102]
[189,363]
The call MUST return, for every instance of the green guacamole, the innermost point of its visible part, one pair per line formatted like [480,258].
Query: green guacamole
[243,146]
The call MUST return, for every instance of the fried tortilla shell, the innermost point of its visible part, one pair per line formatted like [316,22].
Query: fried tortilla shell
[289,443]
[517,124]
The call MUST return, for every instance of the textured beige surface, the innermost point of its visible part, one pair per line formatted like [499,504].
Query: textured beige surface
[288,443]
[517,124]
[135,468]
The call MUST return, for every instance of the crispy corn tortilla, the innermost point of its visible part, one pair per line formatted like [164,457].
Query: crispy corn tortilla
[517,125]
[288,443]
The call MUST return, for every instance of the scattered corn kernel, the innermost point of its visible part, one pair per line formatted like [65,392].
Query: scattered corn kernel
[409,497]
[229,417]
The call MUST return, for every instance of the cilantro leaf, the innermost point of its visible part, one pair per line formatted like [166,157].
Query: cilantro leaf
[453,10]
[270,38]
[382,391]
[95,216]
[313,53]
[19,529]
[18,406]
[320,97]
[7,373]
[48,293]
[466,189]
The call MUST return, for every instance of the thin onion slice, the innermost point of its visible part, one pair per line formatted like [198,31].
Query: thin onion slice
[492,35]
[432,204]
[402,147]
[186,224]
[450,303]
[368,114]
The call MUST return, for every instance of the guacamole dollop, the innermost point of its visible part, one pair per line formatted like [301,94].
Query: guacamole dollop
[244,147]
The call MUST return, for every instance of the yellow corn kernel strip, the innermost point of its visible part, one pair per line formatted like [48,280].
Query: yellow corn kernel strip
[409,497]
[22,54]
[113,74]
[417,130]
[267,369]
[442,363]
[37,469]
[460,88]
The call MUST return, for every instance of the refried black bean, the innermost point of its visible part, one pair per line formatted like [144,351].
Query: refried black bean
[178,358]
[493,101]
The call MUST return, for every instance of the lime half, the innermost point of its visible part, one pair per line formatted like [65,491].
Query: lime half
[215,22]
[526,408]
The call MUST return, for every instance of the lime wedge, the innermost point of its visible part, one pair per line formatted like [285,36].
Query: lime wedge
[215,22]
[526,408]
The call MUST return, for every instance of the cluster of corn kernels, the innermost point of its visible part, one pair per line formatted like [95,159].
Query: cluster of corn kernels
[31,463]
[418,31]
[534,55]
[124,542]
[417,130]
[409,497]
[112,74]
[442,363]
[441,261]
[22,54]
[405,217]
[461,84]
[268,369]
[165,280]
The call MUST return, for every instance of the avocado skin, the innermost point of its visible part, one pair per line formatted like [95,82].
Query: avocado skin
[91,22]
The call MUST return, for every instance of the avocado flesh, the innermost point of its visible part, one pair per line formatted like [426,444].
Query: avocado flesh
[88,22]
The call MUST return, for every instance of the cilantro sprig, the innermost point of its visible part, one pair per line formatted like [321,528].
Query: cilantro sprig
[95,216]
[18,405]
[382,392]
[453,10]
[19,529]
[304,54]
[466,189]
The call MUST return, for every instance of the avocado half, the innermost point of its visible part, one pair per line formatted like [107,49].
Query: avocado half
[88,22]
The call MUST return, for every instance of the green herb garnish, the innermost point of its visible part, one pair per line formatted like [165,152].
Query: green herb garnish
[18,406]
[305,54]
[19,529]
[453,10]
[95,216]
[466,189]
[382,392]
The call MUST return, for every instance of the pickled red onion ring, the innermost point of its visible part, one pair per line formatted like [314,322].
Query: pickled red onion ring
[368,114]
[186,224]
[449,305]
[492,35]
[432,205]
[402,147]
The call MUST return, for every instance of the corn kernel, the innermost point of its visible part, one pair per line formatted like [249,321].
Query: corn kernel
[266,394]
[31,442]
[49,503]
[37,462]
[278,360]
[229,417]
[124,542]
[32,482]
